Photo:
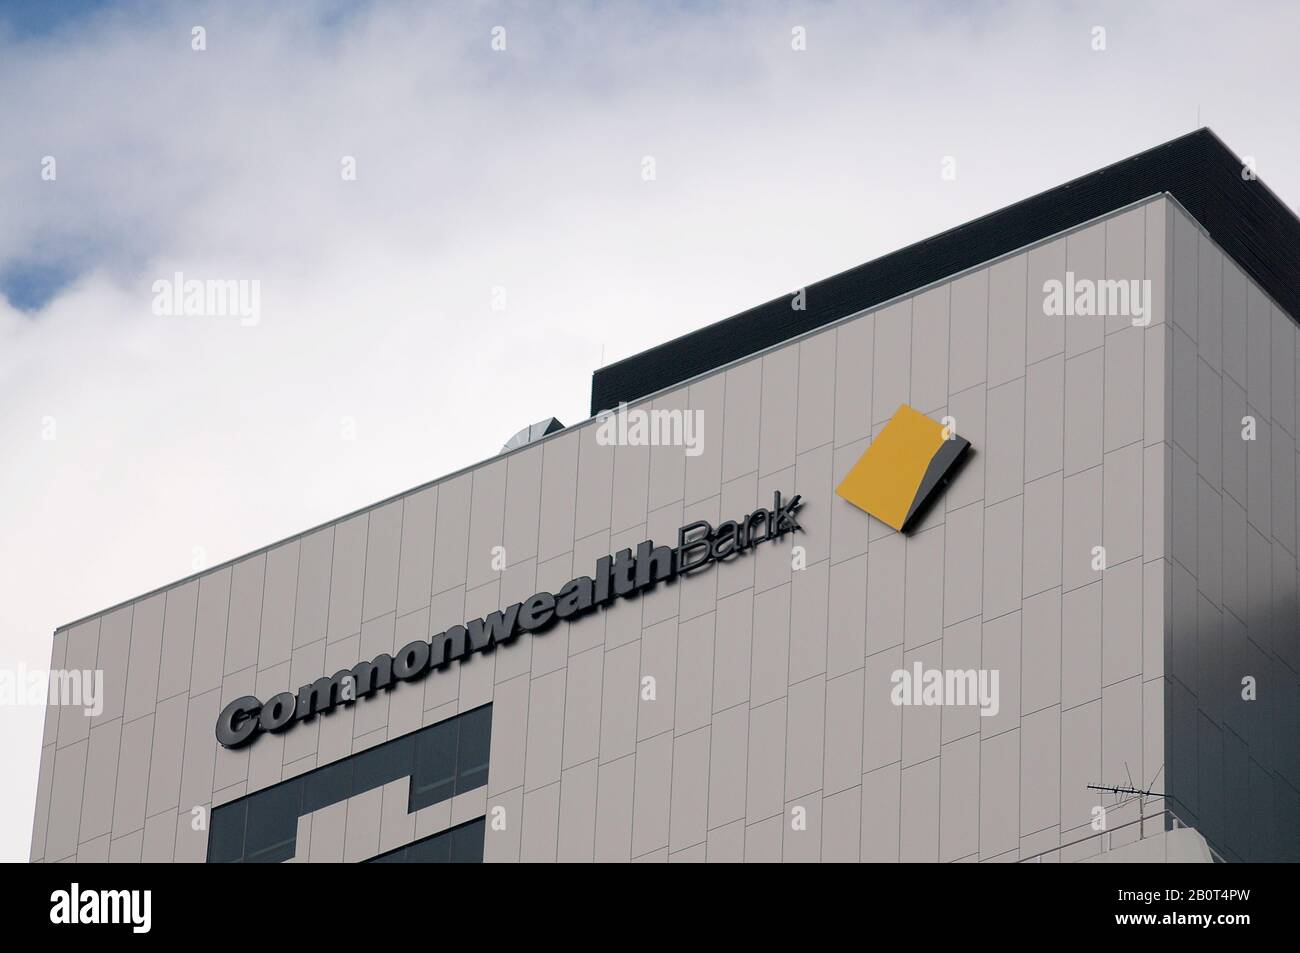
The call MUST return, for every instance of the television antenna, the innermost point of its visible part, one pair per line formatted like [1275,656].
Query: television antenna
[1129,791]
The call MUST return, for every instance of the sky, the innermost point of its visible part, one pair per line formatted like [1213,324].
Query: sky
[500,238]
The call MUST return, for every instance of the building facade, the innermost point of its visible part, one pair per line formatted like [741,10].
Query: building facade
[1118,546]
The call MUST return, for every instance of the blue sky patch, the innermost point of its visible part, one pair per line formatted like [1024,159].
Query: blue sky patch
[31,285]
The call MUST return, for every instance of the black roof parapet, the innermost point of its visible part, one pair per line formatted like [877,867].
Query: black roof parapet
[1240,213]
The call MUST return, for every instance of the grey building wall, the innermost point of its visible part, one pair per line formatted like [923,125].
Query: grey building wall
[1234,765]
[772,682]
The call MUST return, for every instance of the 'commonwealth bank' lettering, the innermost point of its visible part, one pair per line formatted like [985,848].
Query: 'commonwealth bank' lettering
[622,575]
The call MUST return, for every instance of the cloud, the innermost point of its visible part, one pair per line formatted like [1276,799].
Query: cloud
[479,170]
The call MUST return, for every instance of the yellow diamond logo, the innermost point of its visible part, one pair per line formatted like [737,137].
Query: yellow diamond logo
[904,468]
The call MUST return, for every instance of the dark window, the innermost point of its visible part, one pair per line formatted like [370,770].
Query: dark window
[226,839]
[431,850]
[459,845]
[381,764]
[434,779]
[327,786]
[467,843]
[441,760]
[273,823]
[472,754]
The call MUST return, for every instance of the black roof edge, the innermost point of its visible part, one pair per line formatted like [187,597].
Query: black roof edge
[1241,214]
